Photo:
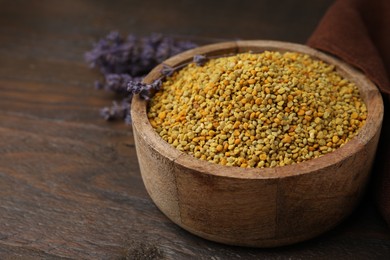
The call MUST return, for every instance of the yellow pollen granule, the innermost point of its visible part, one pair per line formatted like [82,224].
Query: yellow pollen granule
[257,110]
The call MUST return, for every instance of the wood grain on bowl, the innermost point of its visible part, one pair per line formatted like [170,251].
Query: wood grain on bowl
[258,207]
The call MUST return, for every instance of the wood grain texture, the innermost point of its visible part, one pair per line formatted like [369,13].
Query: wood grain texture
[70,183]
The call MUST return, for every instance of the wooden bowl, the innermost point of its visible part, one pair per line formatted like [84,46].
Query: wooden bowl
[257,207]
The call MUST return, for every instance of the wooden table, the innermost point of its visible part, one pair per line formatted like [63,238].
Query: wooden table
[70,185]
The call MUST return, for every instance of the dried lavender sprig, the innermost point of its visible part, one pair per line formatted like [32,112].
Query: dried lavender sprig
[124,60]
[122,110]
[134,55]
[116,111]
[147,90]
[200,60]
[144,90]
[118,82]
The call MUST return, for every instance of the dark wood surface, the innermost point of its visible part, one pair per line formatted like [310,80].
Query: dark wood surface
[70,185]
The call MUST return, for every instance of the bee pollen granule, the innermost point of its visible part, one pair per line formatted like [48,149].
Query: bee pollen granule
[257,109]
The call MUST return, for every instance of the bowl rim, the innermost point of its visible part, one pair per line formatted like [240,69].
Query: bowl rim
[367,88]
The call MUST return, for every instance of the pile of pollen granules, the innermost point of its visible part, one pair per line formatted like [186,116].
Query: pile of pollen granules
[257,110]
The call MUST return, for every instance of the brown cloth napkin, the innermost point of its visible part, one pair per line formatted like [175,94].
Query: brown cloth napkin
[358,32]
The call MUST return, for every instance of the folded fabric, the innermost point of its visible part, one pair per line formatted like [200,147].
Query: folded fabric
[358,32]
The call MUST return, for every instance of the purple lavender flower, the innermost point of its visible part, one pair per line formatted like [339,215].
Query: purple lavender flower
[125,61]
[156,85]
[135,87]
[132,55]
[117,82]
[144,90]
[200,60]
[108,53]
[116,111]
